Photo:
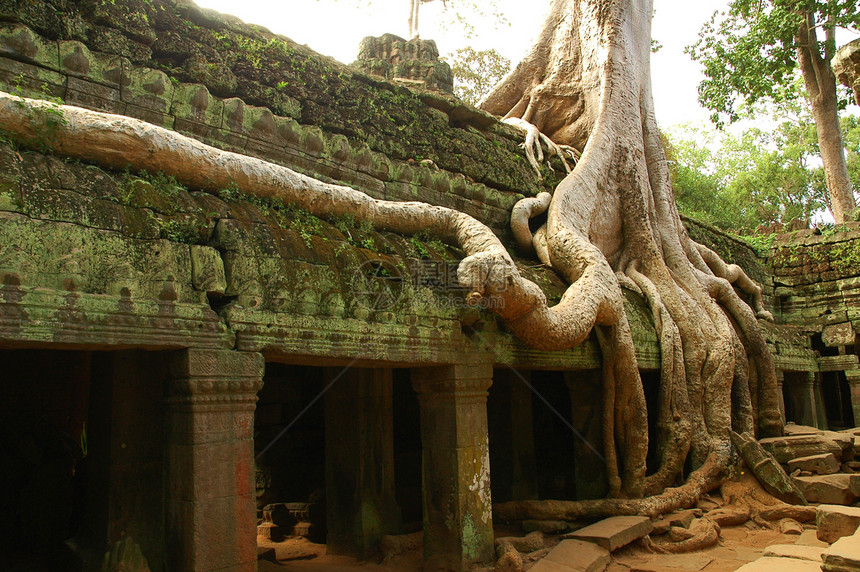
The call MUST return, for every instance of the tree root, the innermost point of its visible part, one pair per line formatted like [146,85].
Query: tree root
[509,550]
[534,150]
[703,533]
[736,276]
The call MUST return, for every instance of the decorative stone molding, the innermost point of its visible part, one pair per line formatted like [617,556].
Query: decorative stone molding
[460,382]
[212,376]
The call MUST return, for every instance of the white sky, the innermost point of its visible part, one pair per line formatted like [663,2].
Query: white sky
[335,28]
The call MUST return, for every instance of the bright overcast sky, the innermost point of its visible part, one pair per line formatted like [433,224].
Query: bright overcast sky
[335,28]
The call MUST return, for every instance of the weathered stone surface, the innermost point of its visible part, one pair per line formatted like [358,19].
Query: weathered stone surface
[834,521]
[661,526]
[683,518]
[264,553]
[784,449]
[835,335]
[824,464]
[840,488]
[811,553]
[843,555]
[792,429]
[577,555]
[207,270]
[615,532]
[846,66]
[772,564]
[410,61]
[765,468]
[810,538]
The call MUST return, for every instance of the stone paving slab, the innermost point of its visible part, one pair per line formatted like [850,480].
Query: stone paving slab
[614,532]
[771,564]
[810,538]
[843,555]
[574,555]
[549,566]
[672,563]
[823,464]
[683,518]
[800,552]
[836,521]
[794,429]
[841,488]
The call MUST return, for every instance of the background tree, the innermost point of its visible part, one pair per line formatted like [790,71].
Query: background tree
[739,182]
[752,51]
[476,72]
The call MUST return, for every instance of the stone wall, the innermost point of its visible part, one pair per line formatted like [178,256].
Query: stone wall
[98,260]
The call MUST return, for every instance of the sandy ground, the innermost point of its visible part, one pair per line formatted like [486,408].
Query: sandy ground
[738,545]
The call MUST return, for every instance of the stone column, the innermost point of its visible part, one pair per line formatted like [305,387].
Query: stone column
[780,395]
[458,522]
[805,401]
[820,411]
[853,378]
[211,516]
[586,406]
[359,461]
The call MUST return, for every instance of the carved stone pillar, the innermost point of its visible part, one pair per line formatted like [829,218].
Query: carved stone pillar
[853,378]
[780,380]
[211,516]
[820,411]
[806,401]
[458,522]
[359,461]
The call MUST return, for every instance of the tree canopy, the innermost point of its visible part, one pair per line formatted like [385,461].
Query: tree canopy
[753,52]
[750,52]
[476,72]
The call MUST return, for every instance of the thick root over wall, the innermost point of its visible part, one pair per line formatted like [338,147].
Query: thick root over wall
[586,83]
[611,223]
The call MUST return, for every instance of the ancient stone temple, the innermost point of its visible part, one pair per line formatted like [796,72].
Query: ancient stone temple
[174,361]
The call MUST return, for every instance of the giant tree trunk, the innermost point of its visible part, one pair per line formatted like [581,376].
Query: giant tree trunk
[820,82]
[611,223]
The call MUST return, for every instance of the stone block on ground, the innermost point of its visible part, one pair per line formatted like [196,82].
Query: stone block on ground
[824,464]
[843,555]
[791,447]
[614,532]
[266,553]
[792,429]
[683,518]
[840,488]
[771,564]
[811,553]
[836,521]
[570,555]
[661,526]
